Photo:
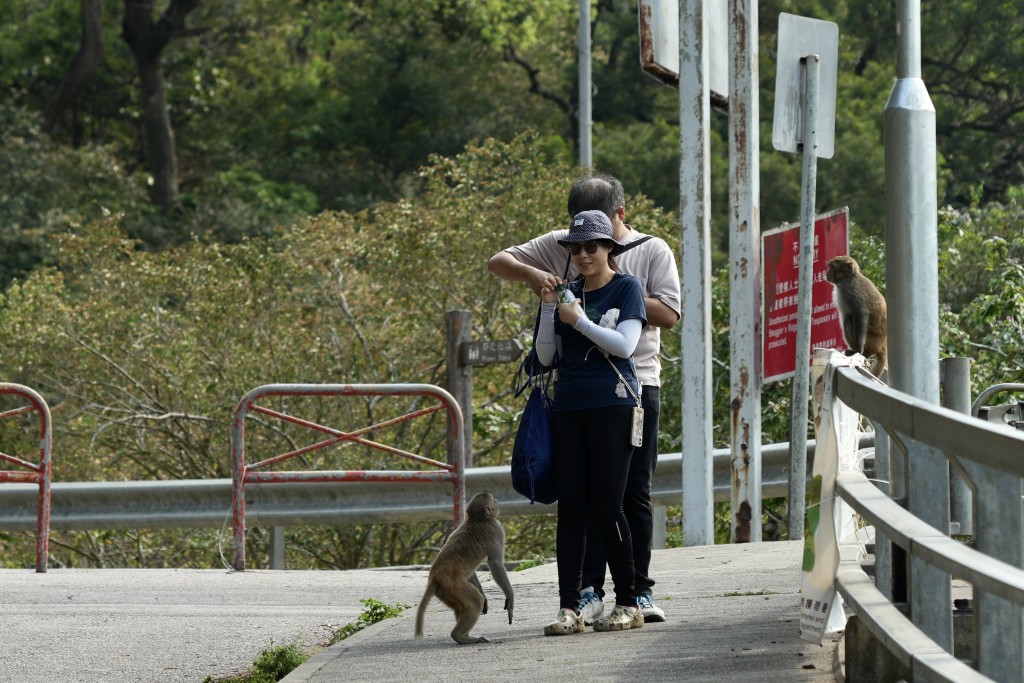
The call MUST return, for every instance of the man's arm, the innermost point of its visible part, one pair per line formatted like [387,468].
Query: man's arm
[507,267]
[660,315]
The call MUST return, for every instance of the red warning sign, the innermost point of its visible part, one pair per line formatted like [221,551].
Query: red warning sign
[780,250]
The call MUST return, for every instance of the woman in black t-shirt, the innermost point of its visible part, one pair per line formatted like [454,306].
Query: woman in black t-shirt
[594,337]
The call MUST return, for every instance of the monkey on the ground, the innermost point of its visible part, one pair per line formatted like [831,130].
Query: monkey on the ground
[862,312]
[453,577]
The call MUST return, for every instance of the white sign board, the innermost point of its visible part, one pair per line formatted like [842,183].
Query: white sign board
[659,43]
[799,37]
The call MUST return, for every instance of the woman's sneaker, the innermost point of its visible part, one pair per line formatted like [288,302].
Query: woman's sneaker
[591,606]
[568,621]
[622,618]
[652,612]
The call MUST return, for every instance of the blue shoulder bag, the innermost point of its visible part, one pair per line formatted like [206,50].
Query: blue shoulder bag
[533,473]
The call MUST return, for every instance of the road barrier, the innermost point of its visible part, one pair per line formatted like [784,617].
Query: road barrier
[991,458]
[243,473]
[38,474]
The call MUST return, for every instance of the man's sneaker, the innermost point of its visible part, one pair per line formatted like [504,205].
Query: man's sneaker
[622,618]
[568,621]
[652,612]
[591,605]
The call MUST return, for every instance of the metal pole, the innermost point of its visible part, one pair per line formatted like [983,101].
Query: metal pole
[695,275]
[744,272]
[798,402]
[583,56]
[913,302]
[459,325]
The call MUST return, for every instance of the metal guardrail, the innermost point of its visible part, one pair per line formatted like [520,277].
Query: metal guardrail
[243,473]
[39,474]
[206,503]
[992,458]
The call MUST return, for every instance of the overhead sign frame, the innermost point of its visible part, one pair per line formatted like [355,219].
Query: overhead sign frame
[659,45]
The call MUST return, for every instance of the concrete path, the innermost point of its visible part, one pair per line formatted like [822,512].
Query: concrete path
[732,616]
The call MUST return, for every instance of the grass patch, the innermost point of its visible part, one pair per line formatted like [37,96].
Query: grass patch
[739,594]
[277,661]
[535,561]
[374,611]
[273,664]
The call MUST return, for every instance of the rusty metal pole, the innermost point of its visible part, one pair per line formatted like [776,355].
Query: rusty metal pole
[238,484]
[744,272]
[695,274]
[459,326]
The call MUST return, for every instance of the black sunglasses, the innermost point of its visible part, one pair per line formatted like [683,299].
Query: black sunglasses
[590,246]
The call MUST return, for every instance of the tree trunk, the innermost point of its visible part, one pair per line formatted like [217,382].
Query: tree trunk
[161,157]
[147,40]
[84,65]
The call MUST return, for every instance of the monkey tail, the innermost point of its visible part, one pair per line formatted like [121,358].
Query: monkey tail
[881,362]
[421,610]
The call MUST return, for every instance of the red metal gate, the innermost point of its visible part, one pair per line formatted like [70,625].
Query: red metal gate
[243,474]
[31,473]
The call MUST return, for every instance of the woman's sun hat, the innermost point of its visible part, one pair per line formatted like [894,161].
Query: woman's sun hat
[590,226]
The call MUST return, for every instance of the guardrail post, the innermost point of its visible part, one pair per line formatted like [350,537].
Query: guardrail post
[887,555]
[276,547]
[660,536]
[955,378]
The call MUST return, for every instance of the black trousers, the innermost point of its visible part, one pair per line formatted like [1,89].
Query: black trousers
[591,458]
[636,504]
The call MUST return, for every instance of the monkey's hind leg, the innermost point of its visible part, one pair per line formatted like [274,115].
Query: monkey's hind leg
[467,604]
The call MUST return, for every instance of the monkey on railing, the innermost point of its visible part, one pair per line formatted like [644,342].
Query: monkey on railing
[862,312]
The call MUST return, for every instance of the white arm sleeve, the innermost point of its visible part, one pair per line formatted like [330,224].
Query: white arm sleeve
[545,345]
[619,342]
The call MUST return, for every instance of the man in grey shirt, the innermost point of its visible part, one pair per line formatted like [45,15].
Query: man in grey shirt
[540,262]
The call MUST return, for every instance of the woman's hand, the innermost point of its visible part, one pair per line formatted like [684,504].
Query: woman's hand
[570,313]
[549,294]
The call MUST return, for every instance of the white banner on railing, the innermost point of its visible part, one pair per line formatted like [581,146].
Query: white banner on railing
[829,522]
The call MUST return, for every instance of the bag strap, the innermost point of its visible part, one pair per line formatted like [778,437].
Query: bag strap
[622,379]
[636,243]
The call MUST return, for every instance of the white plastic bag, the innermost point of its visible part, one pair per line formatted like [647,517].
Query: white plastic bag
[829,522]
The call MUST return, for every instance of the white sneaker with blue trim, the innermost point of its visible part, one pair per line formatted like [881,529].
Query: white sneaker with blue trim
[591,605]
[651,611]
